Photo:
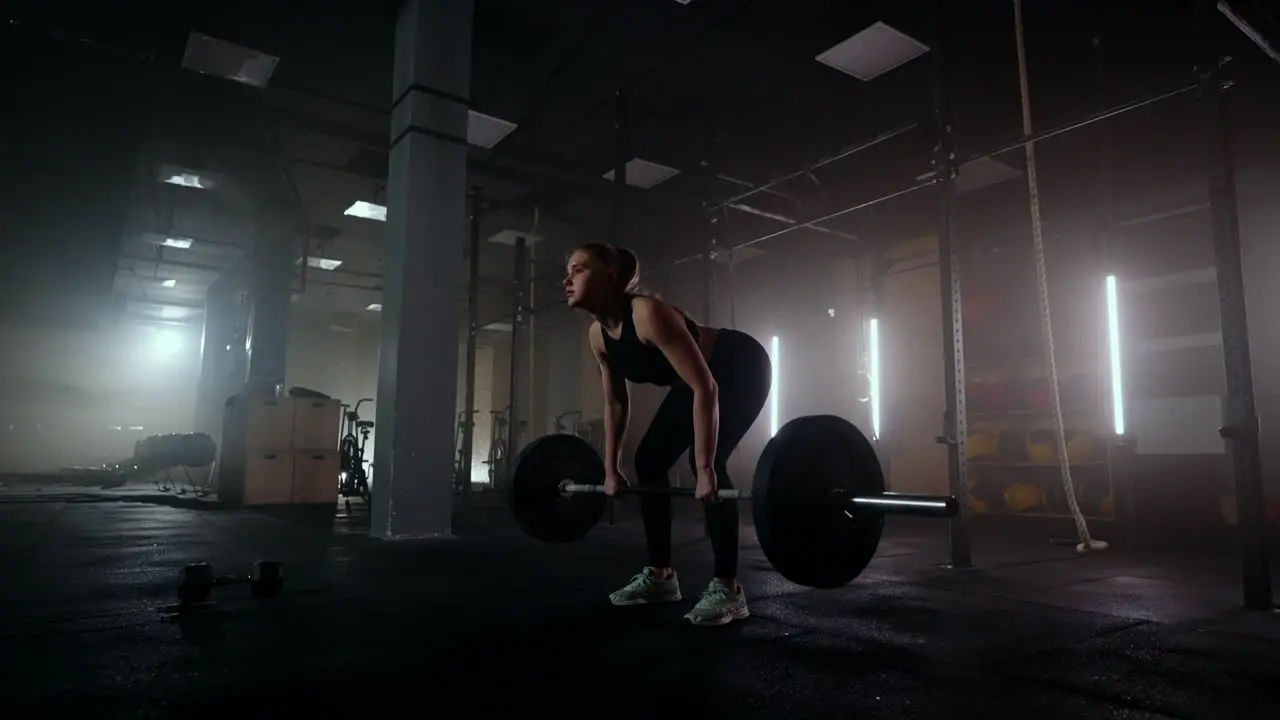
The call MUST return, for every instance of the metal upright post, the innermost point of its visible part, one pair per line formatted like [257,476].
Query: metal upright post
[520,289]
[1241,430]
[621,156]
[955,423]
[473,318]
[709,267]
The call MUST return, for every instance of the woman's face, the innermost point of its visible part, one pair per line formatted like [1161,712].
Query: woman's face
[586,281]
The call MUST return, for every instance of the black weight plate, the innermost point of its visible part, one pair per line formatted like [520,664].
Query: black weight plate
[540,509]
[807,538]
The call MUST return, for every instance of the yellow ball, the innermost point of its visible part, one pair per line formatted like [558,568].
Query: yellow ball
[1022,497]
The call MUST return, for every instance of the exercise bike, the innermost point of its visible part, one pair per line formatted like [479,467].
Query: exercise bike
[571,423]
[568,427]
[499,428]
[353,479]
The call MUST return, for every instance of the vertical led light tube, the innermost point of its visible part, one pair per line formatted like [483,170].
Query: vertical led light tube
[873,343]
[1113,343]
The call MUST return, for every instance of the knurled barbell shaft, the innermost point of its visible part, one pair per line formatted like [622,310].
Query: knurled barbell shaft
[934,506]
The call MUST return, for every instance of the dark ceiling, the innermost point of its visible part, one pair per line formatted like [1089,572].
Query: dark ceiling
[729,83]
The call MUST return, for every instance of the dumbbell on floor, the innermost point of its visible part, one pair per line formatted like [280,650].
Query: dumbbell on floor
[196,582]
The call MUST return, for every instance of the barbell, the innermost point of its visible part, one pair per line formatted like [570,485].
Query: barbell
[817,497]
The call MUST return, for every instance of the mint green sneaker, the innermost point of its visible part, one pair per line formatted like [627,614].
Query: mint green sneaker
[646,588]
[719,605]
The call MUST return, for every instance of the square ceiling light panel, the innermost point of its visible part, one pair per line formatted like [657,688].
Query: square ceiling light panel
[320,263]
[979,174]
[184,177]
[177,243]
[644,174]
[873,52]
[367,210]
[219,58]
[982,173]
[486,130]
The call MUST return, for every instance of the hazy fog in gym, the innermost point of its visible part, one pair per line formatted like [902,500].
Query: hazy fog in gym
[119,214]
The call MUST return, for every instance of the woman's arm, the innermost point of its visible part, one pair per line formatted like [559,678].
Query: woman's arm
[617,404]
[664,326]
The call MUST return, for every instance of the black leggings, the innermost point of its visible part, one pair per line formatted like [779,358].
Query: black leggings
[743,373]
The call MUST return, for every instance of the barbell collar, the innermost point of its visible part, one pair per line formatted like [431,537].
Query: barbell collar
[934,506]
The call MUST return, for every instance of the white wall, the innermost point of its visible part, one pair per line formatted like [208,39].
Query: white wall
[342,363]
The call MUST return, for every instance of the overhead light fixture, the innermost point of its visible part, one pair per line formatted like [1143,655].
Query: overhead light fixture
[321,263]
[367,210]
[181,243]
[978,174]
[486,130]
[219,58]
[184,177]
[169,283]
[187,180]
[872,52]
[645,174]
[374,307]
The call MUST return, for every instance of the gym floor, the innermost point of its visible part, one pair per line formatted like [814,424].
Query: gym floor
[490,621]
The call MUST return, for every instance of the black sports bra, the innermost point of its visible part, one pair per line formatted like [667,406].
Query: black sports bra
[637,362]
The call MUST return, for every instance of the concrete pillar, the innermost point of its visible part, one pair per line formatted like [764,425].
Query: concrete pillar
[275,252]
[426,232]
[215,357]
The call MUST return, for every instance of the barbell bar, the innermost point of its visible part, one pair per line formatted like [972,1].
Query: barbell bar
[933,506]
[818,499]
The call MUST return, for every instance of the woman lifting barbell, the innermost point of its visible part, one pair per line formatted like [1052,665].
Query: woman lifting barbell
[719,379]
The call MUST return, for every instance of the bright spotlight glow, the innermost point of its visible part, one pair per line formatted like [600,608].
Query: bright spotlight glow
[873,341]
[775,358]
[166,343]
[1113,342]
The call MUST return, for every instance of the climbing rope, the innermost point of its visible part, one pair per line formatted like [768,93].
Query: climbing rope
[1087,543]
